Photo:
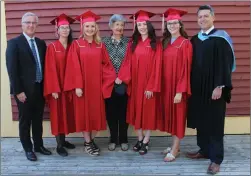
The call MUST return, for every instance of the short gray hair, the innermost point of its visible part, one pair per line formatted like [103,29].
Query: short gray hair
[29,14]
[116,17]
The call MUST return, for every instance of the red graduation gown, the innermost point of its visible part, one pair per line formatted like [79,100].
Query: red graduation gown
[141,70]
[61,110]
[177,60]
[88,67]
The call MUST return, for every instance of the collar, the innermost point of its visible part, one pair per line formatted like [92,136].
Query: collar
[209,30]
[122,40]
[28,37]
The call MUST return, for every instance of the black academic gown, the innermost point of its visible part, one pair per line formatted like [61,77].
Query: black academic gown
[211,67]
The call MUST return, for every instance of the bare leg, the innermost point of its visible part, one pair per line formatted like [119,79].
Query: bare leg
[94,134]
[147,136]
[87,136]
[175,150]
[140,134]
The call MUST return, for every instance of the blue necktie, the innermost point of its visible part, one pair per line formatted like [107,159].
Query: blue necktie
[204,34]
[38,71]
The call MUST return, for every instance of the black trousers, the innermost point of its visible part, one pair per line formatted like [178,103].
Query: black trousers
[116,117]
[31,114]
[211,141]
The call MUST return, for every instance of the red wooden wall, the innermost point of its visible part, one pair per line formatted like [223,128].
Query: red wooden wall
[233,16]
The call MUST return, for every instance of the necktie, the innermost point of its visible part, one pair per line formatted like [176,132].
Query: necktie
[204,34]
[38,71]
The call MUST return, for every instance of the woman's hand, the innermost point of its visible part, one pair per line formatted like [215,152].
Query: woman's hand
[118,81]
[149,94]
[79,92]
[177,98]
[55,95]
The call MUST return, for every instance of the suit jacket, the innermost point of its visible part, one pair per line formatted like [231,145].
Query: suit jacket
[21,64]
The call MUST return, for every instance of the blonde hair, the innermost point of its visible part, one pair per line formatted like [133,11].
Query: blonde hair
[96,36]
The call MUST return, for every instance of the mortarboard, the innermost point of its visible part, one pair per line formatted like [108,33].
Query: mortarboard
[172,14]
[88,16]
[140,16]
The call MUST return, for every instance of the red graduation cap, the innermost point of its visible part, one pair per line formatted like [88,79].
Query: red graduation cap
[140,16]
[61,20]
[172,14]
[88,16]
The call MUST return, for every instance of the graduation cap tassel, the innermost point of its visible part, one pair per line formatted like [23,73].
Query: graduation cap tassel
[81,27]
[133,23]
[163,23]
[56,28]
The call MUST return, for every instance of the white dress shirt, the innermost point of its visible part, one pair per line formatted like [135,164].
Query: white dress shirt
[208,31]
[29,41]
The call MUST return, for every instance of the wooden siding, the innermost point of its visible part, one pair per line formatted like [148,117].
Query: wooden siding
[232,16]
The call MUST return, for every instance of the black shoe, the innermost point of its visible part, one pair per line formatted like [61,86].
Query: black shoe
[31,156]
[68,145]
[144,148]
[138,146]
[43,150]
[61,151]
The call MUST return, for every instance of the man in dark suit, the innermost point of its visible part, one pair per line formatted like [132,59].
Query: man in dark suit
[25,63]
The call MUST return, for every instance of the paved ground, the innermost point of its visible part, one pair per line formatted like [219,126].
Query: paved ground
[13,161]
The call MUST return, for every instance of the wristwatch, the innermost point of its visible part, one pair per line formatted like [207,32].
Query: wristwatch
[220,87]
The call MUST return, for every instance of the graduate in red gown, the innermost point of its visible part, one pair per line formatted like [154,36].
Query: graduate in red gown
[61,110]
[89,78]
[141,70]
[175,88]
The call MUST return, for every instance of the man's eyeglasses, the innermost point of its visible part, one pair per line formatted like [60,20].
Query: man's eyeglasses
[30,22]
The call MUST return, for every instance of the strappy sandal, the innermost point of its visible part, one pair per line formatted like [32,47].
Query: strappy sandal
[170,157]
[167,150]
[90,149]
[144,148]
[138,146]
[95,146]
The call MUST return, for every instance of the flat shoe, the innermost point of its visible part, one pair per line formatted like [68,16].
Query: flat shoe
[111,146]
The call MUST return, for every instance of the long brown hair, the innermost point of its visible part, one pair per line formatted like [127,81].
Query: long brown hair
[167,35]
[151,34]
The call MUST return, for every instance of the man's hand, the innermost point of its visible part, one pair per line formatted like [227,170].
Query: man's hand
[216,93]
[78,92]
[55,95]
[177,98]
[21,97]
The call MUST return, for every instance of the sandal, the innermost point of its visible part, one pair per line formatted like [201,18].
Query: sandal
[95,146]
[138,146]
[90,149]
[170,157]
[144,148]
[168,150]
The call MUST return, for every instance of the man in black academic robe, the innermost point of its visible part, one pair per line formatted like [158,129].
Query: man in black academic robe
[213,63]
